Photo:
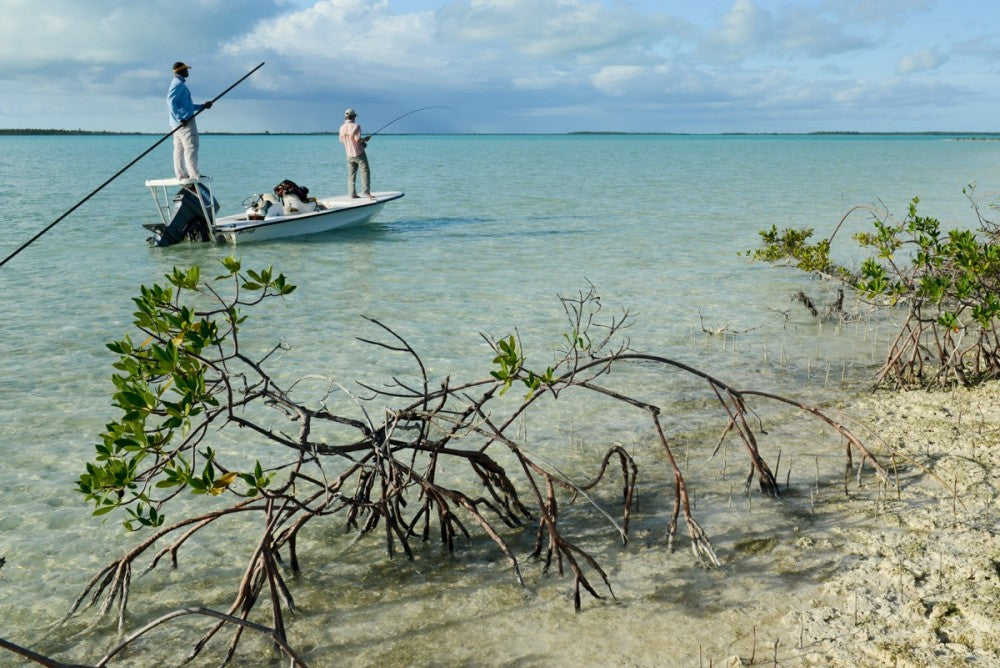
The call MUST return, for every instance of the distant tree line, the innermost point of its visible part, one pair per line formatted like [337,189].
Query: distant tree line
[956,135]
[35,131]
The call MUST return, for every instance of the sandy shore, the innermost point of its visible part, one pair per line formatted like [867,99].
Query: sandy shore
[919,582]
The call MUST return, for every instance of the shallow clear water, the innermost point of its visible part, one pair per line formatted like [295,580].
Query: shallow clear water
[491,230]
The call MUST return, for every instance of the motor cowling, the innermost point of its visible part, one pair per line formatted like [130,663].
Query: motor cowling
[188,221]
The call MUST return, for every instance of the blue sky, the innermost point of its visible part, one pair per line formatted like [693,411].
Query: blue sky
[507,65]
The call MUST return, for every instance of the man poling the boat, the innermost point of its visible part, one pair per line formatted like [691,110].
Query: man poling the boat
[119,172]
[182,122]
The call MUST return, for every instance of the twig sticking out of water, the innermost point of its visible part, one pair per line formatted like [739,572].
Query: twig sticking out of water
[415,457]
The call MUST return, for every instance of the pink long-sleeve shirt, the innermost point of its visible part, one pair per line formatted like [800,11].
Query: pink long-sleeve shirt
[350,135]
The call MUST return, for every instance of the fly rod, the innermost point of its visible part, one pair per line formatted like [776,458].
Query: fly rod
[122,170]
[404,116]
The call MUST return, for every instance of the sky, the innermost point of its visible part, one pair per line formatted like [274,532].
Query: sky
[507,66]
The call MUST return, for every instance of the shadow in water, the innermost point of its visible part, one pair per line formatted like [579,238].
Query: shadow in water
[431,224]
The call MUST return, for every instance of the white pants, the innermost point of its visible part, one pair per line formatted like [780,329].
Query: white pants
[186,151]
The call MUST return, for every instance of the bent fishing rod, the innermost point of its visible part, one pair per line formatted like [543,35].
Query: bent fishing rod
[123,169]
[367,137]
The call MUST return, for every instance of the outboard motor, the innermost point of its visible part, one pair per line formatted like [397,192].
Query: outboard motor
[188,220]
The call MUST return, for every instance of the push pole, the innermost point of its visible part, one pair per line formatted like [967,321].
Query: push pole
[121,171]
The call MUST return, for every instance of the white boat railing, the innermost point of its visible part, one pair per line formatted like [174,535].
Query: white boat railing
[163,198]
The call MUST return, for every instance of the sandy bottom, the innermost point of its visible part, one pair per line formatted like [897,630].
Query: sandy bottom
[900,572]
[920,586]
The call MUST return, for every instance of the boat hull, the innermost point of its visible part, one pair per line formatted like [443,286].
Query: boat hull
[337,213]
[185,216]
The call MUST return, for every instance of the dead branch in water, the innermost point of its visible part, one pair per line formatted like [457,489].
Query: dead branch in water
[420,456]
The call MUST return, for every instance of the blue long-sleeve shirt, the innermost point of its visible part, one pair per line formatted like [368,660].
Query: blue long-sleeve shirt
[179,102]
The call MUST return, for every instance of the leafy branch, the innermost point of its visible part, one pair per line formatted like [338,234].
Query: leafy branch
[408,461]
[946,284]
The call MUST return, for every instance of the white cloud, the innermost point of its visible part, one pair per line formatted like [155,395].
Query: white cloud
[896,95]
[117,34]
[882,12]
[745,25]
[545,28]
[351,32]
[33,33]
[472,41]
[617,79]
[337,42]
[806,32]
[748,30]
[922,60]
[505,61]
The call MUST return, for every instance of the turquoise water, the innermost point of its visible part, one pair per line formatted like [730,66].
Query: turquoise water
[491,230]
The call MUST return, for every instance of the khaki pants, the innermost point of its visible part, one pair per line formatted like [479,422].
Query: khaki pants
[352,172]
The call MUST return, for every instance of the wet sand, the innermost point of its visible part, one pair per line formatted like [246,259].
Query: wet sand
[872,575]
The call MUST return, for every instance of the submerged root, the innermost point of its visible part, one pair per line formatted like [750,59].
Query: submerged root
[441,460]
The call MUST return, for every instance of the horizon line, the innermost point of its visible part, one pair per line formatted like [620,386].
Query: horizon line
[59,131]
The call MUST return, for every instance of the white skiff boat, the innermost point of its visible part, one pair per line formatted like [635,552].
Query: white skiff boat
[188,211]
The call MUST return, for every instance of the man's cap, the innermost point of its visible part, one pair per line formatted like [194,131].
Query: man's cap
[178,66]
[349,113]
